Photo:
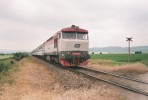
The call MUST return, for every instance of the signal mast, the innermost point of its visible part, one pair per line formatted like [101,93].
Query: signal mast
[129,40]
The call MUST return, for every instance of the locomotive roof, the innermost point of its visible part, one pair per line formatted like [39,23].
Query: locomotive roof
[74,28]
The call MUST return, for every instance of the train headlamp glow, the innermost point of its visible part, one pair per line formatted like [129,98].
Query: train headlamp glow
[68,52]
[62,54]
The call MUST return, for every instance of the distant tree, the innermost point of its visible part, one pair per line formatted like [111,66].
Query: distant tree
[2,54]
[138,52]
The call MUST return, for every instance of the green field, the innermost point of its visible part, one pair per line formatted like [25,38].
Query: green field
[143,58]
[5,56]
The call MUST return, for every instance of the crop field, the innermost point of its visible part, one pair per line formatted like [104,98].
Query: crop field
[5,56]
[143,58]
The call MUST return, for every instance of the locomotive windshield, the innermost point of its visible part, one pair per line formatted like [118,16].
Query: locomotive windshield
[80,36]
[69,35]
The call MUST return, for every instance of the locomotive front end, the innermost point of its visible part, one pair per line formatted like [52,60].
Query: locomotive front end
[73,46]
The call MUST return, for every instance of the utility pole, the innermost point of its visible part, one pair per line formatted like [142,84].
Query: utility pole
[129,40]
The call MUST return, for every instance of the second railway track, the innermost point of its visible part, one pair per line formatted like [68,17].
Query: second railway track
[110,78]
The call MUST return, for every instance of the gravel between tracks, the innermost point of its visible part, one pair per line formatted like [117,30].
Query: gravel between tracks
[144,87]
[136,70]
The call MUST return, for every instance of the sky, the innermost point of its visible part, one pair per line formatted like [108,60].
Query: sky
[25,24]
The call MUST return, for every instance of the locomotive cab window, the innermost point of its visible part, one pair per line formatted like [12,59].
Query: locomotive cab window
[74,35]
[69,35]
[59,35]
[82,36]
[55,43]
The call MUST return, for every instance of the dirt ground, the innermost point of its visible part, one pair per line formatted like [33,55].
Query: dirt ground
[34,80]
[31,82]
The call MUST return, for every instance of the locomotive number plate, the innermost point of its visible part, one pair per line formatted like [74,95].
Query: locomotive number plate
[77,46]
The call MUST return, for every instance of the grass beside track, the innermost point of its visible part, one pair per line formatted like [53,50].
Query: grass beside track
[119,59]
[7,67]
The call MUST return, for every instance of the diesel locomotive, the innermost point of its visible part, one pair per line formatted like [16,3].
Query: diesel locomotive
[69,47]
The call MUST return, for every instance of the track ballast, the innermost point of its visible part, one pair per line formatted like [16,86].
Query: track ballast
[84,71]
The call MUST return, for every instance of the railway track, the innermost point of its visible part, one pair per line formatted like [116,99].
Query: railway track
[101,76]
[112,74]
[109,77]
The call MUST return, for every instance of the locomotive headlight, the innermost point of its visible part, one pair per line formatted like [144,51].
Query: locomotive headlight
[62,54]
[67,53]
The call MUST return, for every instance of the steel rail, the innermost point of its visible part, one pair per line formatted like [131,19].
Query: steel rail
[110,82]
[116,75]
[116,84]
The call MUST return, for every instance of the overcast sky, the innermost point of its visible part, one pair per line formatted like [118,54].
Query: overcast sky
[25,24]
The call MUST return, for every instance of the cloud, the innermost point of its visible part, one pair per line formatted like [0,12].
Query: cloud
[31,22]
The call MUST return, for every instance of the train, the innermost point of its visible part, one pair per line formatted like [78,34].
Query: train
[68,47]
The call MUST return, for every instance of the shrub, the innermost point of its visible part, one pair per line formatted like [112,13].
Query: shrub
[12,62]
[4,67]
[18,56]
